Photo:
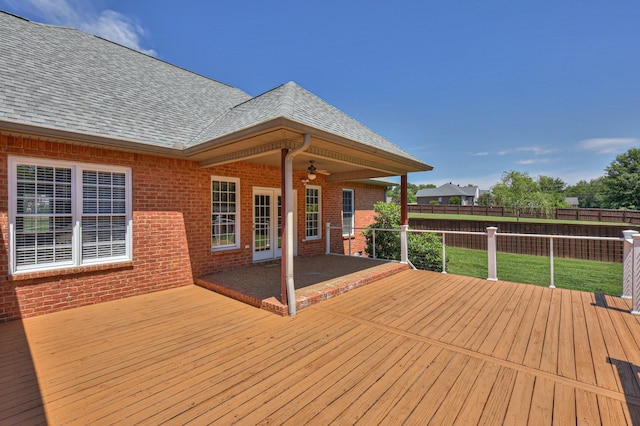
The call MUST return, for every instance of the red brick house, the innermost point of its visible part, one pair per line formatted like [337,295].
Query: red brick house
[122,174]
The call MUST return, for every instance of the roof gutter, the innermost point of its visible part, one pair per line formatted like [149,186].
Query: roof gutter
[89,139]
[287,258]
[414,165]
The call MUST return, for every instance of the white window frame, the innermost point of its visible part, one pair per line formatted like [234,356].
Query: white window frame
[237,213]
[353,212]
[318,230]
[77,169]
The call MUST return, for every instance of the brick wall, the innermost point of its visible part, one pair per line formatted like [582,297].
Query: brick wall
[171,227]
[365,197]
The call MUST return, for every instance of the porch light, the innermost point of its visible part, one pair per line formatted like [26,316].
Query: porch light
[312,171]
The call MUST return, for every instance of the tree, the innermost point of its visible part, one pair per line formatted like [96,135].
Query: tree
[553,188]
[519,191]
[515,190]
[486,199]
[590,194]
[455,200]
[622,181]
[549,184]
[425,250]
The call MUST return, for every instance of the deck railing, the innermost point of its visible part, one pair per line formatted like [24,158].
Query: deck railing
[629,243]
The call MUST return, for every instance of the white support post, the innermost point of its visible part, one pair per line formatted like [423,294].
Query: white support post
[373,234]
[627,262]
[444,254]
[404,244]
[635,290]
[552,282]
[492,254]
[327,234]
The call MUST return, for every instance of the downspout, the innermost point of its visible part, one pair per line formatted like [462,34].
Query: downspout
[287,260]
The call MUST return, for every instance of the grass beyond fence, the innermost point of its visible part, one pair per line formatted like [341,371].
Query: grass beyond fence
[510,219]
[574,274]
[562,214]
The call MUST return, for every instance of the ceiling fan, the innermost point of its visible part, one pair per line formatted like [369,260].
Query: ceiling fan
[313,170]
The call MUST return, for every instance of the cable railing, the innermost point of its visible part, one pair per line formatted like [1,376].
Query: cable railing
[527,258]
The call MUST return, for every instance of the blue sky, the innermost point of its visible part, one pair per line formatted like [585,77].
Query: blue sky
[473,88]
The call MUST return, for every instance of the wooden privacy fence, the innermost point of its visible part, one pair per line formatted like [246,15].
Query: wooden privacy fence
[625,248]
[595,215]
[575,248]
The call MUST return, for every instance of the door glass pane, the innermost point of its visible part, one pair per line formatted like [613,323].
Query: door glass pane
[262,218]
[279,222]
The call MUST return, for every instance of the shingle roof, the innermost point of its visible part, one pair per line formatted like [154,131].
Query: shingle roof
[64,79]
[297,104]
[447,190]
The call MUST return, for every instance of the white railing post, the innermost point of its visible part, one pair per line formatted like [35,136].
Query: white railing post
[627,264]
[349,237]
[327,249]
[635,290]
[444,254]
[492,254]
[552,283]
[373,231]
[404,244]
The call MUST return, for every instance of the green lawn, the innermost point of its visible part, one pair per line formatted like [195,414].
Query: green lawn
[585,275]
[507,219]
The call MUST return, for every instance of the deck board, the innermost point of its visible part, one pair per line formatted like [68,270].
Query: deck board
[418,347]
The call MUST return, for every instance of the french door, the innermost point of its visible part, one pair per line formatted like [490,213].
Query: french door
[267,223]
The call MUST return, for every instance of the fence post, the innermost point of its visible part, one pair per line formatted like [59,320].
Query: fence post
[491,253]
[328,235]
[627,264]
[404,244]
[635,291]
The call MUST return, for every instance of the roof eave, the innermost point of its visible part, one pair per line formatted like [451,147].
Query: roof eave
[279,123]
[285,123]
[88,139]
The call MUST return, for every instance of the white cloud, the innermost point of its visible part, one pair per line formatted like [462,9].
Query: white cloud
[534,161]
[608,145]
[479,154]
[107,24]
[118,28]
[536,150]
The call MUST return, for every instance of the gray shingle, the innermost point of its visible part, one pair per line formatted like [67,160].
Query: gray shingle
[447,190]
[65,79]
[297,104]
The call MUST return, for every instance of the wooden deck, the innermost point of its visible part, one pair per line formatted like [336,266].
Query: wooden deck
[418,347]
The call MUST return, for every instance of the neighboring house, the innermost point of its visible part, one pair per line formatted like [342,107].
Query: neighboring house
[468,194]
[572,201]
[123,174]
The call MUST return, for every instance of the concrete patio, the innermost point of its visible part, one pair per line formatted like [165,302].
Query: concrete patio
[317,278]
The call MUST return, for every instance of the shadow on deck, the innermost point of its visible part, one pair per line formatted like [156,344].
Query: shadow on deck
[316,278]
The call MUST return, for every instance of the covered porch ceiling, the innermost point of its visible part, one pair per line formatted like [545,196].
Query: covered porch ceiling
[336,157]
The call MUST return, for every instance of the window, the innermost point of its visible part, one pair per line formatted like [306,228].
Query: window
[67,214]
[312,210]
[225,219]
[348,212]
